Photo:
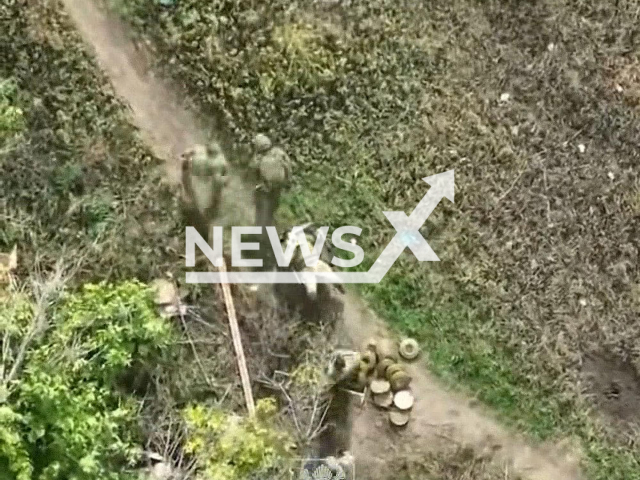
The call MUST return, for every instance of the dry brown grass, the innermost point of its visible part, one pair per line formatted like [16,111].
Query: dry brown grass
[457,464]
[626,81]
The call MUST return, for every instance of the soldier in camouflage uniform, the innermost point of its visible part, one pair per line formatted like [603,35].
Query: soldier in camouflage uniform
[273,169]
[204,176]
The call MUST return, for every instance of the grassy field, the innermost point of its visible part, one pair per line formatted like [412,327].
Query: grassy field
[535,105]
[76,180]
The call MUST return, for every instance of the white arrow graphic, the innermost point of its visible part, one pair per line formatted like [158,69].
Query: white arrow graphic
[408,228]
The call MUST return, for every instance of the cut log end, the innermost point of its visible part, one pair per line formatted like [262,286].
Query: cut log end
[383,400]
[403,400]
[398,419]
[379,386]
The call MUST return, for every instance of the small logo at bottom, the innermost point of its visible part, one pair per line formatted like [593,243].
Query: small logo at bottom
[326,469]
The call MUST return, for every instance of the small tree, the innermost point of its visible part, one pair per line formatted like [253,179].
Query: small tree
[63,417]
[229,447]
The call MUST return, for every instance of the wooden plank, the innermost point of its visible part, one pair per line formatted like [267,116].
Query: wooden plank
[237,340]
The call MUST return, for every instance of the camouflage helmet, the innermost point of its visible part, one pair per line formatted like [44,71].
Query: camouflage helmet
[261,143]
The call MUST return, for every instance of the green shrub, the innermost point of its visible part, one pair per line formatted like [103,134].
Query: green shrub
[228,447]
[11,116]
[14,458]
[97,213]
[64,417]
[126,8]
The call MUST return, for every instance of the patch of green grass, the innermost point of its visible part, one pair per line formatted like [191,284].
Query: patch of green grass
[464,347]
[97,214]
[11,115]
[68,178]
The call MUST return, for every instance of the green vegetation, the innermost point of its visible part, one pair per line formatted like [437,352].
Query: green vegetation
[63,415]
[369,98]
[76,181]
[90,378]
[11,116]
[233,448]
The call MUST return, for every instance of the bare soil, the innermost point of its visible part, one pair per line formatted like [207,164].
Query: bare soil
[440,418]
[166,126]
[615,388]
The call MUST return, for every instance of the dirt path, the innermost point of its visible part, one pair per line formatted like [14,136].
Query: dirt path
[165,125]
[440,419]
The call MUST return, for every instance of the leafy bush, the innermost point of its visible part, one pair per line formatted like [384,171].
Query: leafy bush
[64,417]
[11,116]
[126,8]
[232,448]
[14,458]
[97,213]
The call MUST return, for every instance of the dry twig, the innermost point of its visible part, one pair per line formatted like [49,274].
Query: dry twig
[46,292]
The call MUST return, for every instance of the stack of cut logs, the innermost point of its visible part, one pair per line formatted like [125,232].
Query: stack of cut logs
[386,378]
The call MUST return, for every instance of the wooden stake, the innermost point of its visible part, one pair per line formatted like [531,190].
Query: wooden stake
[237,340]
